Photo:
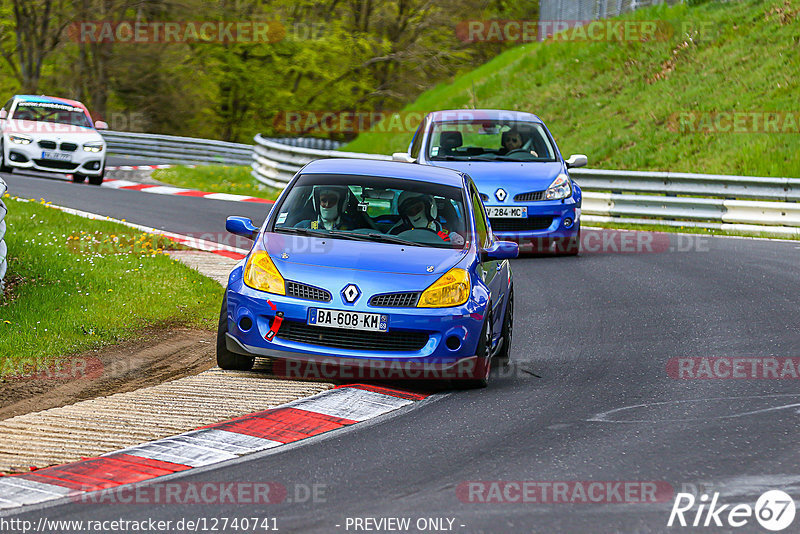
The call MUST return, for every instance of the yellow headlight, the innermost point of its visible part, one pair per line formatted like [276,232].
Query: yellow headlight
[260,273]
[452,289]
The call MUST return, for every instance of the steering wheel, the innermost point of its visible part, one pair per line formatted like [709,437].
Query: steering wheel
[520,150]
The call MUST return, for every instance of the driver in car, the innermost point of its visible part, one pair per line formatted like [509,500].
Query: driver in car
[418,211]
[330,202]
[512,140]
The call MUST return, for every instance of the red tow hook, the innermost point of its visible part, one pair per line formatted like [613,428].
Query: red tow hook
[276,325]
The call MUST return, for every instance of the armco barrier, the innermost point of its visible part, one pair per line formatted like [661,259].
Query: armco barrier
[173,149]
[739,203]
[3,248]
[274,164]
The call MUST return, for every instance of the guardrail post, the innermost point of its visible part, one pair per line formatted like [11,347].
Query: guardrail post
[3,248]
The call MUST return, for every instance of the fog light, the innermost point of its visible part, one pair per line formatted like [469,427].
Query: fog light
[568,222]
[453,343]
[93,165]
[16,156]
[245,324]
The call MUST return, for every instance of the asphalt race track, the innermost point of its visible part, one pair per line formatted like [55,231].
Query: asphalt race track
[587,395]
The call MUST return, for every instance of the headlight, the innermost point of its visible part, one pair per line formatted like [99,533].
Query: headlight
[260,273]
[452,289]
[560,188]
[92,147]
[20,139]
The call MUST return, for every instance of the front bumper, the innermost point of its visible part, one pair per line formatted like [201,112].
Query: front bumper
[251,314]
[30,157]
[548,222]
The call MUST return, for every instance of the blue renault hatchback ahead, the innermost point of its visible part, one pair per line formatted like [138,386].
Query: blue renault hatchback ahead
[520,173]
[372,265]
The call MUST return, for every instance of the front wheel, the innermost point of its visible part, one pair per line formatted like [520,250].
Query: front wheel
[3,166]
[483,365]
[230,361]
[508,327]
[78,178]
[96,180]
[572,246]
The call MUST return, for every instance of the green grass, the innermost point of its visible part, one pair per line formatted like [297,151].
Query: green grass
[215,179]
[617,101]
[76,284]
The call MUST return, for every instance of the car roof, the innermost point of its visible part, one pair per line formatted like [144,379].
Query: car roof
[50,99]
[448,115]
[385,169]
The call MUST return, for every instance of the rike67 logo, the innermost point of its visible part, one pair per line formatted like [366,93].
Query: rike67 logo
[774,511]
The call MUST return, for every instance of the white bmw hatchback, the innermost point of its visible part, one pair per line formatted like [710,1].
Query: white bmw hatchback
[51,134]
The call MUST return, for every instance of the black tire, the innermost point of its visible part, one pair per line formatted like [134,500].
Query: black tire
[96,180]
[508,326]
[230,361]
[78,178]
[573,246]
[3,166]
[483,365]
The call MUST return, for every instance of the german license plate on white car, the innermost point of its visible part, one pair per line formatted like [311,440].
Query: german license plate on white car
[372,322]
[57,156]
[507,212]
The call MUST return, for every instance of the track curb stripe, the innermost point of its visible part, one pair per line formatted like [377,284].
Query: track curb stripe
[294,421]
[171,190]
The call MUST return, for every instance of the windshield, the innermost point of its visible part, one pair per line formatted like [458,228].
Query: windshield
[52,112]
[368,208]
[490,140]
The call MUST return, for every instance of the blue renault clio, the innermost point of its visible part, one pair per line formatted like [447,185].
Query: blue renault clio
[385,269]
[520,173]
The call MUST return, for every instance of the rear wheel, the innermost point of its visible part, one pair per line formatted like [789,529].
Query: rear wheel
[226,359]
[483,365]
[78,178]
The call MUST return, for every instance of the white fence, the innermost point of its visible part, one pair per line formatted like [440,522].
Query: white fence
[3,248]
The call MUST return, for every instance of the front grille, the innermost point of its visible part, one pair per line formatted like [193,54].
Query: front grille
[521,225]
[69,147]
[395,300]
[53,164]
[303,291]
[342,338]
[47,144]
[529,197]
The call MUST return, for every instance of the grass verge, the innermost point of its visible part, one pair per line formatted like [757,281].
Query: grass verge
[215,179]
[76,284]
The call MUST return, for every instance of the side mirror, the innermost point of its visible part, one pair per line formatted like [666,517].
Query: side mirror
[404,157]
[500,250]
[101,125]
[3,114]
[577,160]
[241,226]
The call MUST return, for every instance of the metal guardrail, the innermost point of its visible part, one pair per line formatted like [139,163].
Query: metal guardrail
[742,203]
[3,248]
[176,149]
[274,164]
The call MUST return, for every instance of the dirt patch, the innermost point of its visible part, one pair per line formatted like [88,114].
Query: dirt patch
[158,357]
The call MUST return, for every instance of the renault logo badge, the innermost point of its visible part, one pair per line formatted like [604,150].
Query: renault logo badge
[351,293]
[501,194]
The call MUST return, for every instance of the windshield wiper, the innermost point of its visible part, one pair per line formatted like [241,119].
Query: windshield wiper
[392,239]
[323,233]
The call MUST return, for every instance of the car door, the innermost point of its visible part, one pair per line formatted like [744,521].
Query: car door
[489,270]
